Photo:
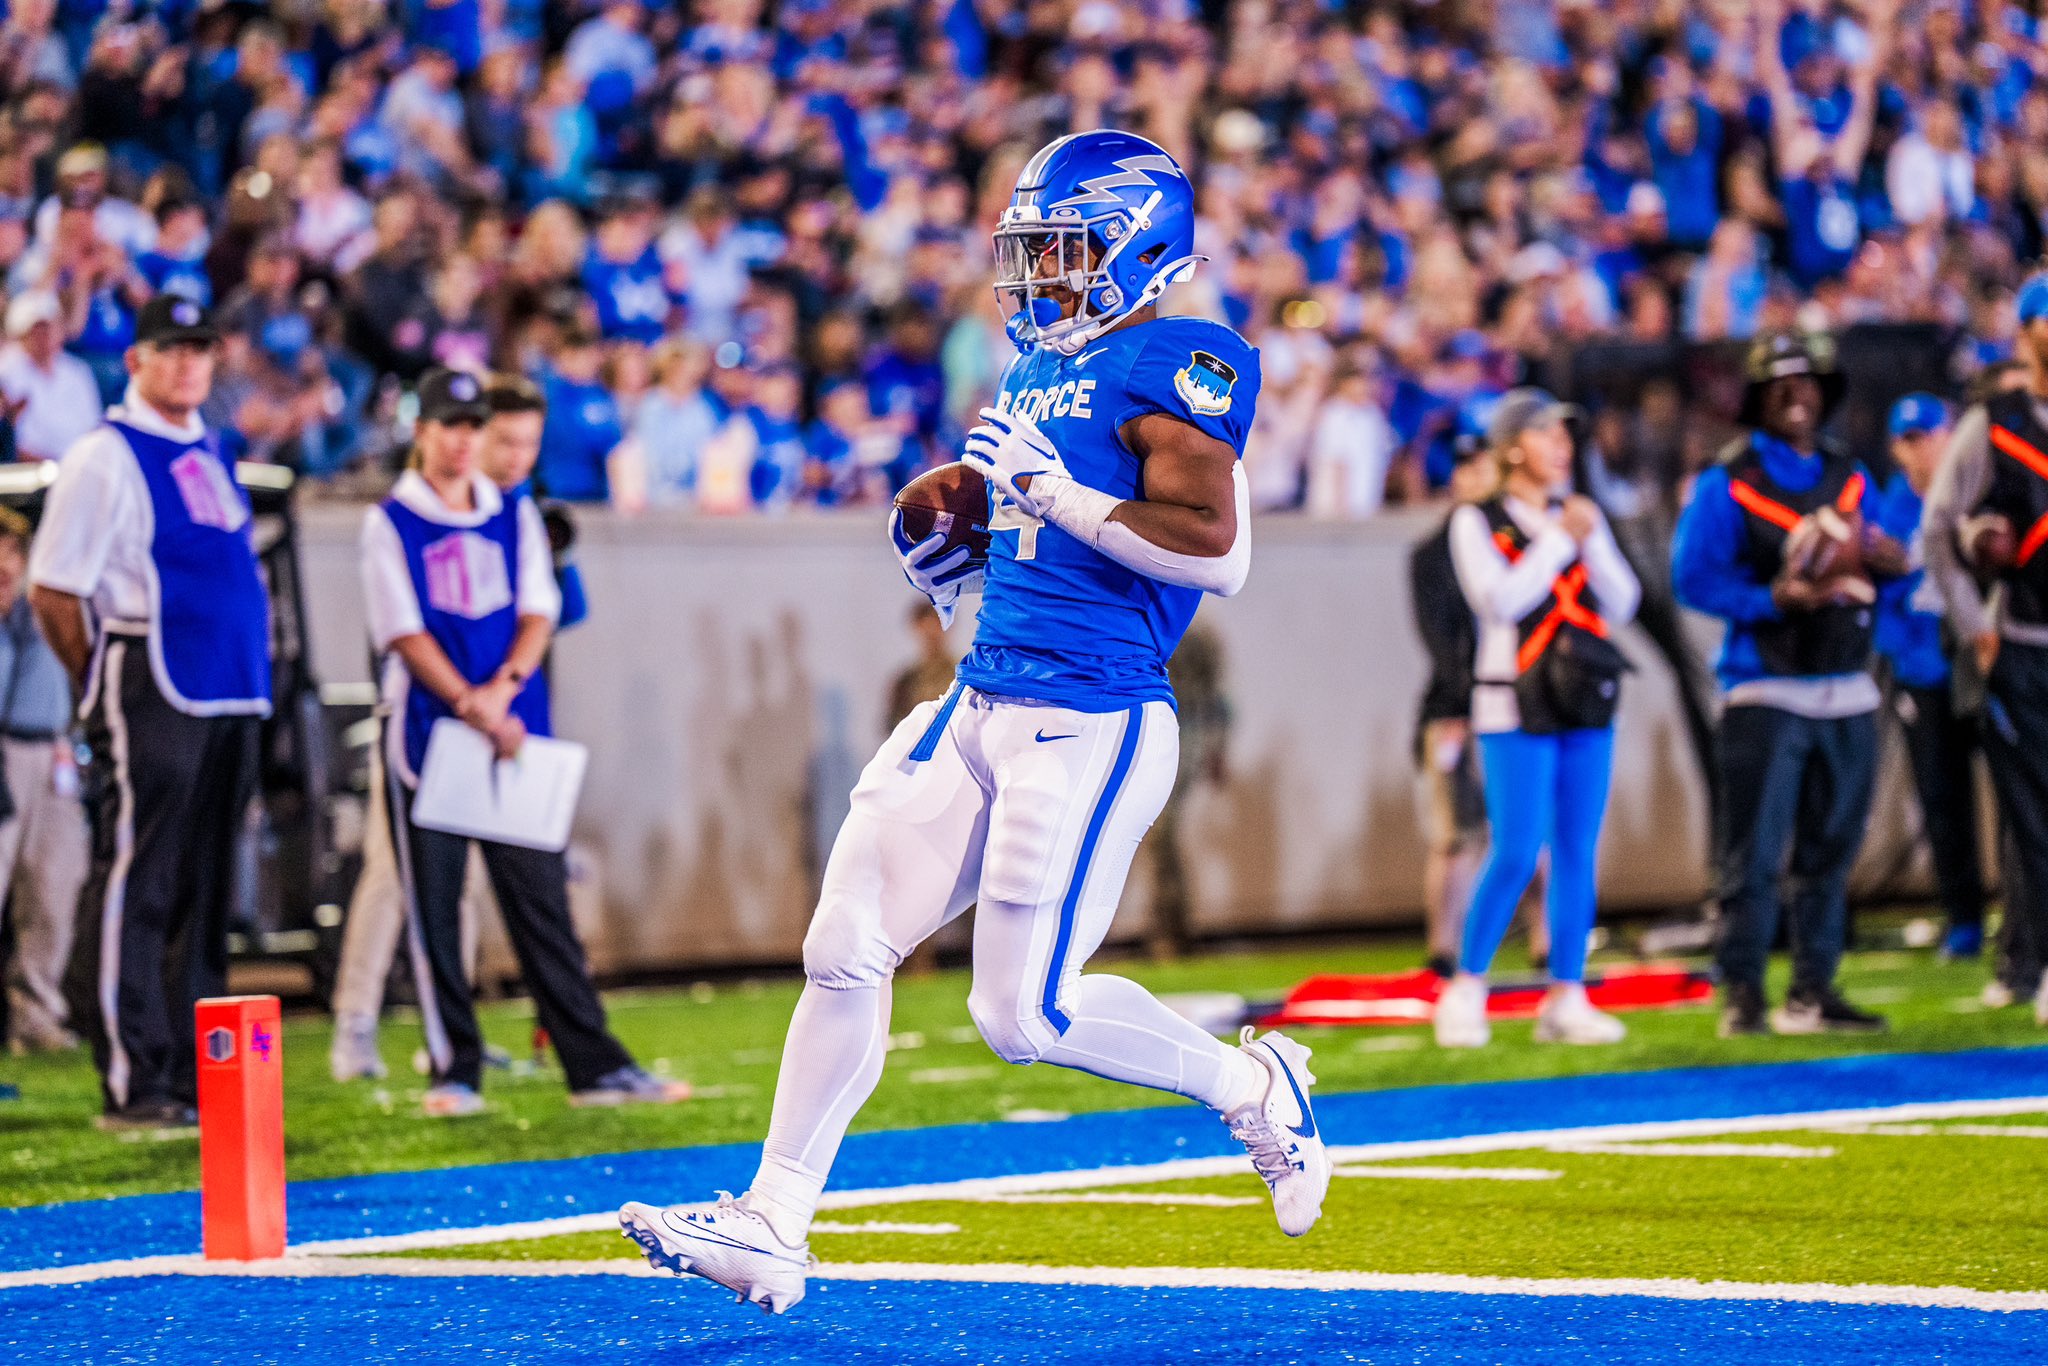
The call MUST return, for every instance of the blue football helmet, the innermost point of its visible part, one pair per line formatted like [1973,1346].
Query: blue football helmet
[1105,221]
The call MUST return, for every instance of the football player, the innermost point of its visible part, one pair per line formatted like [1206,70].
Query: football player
[1112,457]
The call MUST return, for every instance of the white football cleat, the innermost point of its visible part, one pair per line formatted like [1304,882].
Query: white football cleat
[1568,1017]
[1460,1017]
[726,1243]
[1279,1132]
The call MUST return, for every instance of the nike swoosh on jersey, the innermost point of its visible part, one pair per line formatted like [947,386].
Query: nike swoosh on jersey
[1043,737]
[1087,356]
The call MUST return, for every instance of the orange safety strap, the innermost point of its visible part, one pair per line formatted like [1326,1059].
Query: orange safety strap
[1568,608]
[2036,460]
[1760,505]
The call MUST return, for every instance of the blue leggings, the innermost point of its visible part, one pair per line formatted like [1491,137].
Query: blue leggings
[1540,790]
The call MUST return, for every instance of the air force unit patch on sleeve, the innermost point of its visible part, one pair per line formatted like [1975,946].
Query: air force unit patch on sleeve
[1204,384]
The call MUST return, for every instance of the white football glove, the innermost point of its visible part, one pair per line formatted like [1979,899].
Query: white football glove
[1009,446]
[940,574]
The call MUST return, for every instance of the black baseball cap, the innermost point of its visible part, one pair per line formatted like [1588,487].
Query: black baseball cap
[169,319]
[452,396]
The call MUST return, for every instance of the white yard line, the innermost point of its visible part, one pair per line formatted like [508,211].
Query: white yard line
[1966,1130]
[1451,1173]
[1694,1149]
[876,1226]
[1150,1173]
[1140,1278]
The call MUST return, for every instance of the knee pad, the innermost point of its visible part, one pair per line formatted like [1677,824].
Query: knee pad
[844,948]
[1008,1035]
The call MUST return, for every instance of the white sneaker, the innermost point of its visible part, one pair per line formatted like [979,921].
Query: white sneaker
[726,1243]
[451,1100]
[1568,1017]
[1460,1017]
[1280,1133]
[353,1054]
[1996,995]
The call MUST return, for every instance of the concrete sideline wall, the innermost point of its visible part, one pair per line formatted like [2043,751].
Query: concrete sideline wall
[732,678]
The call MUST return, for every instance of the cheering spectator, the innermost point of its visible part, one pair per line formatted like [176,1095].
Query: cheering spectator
[52,397]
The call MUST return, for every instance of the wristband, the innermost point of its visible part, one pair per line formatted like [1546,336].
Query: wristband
[1073,507]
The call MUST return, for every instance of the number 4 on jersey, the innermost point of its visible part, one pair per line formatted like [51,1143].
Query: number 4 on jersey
[1009,517]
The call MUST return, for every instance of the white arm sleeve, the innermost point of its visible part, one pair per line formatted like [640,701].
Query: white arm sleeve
[391,609]
[1613,581]
[539,594]
[1084,513]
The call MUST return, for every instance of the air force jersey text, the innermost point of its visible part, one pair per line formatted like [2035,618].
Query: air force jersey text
[1060,621]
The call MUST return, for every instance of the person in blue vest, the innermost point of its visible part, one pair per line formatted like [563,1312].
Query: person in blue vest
[1941,741]
[144,581]
[1798,742]
[462,603]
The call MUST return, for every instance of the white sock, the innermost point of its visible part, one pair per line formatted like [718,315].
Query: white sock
[1120,1031]
[831,1062]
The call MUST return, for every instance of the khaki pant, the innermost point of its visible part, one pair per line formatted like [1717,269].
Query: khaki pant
[46,844]
[376,912]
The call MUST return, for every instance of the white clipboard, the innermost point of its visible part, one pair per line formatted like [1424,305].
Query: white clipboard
[465,789]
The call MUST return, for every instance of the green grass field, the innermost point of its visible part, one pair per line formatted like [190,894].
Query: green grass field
[727,1041]
[1888,1209]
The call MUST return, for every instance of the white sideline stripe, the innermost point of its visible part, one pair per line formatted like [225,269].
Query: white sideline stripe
[1452,1173]
[876,1226]
[1122,1198]
[1140,1278]
[1694,1149]
[1966,1130]
[1179,1170]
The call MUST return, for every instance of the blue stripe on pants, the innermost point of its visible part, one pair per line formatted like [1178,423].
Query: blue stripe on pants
[1134,725]
[1541,791]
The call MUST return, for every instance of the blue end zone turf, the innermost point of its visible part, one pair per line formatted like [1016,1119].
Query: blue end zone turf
[468,1197]
[561,1320]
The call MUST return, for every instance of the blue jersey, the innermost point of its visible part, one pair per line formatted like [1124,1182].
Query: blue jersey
[1060,621]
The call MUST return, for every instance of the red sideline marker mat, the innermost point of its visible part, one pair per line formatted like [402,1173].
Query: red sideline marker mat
[1406,998]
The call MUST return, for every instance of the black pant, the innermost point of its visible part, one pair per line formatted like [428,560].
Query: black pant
[533,894]
[2016,745]
[1788,781]
[1941,746]
[167,797]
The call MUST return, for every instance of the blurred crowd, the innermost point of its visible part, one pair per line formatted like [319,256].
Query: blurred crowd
[743,245]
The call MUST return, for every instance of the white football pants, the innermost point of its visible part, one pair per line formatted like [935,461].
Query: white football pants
[1032,814]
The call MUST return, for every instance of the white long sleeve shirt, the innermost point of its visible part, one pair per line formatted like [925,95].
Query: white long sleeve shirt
[1501,594]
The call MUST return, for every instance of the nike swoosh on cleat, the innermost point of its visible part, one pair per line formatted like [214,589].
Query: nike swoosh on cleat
[1044,738]
[1299,1098]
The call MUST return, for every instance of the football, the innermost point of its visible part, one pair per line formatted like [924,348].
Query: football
[1988,543]
[953,500]
[1826,551]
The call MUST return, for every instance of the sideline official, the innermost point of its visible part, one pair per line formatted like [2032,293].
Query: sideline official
[144,581]
[462,602]
[1798,743]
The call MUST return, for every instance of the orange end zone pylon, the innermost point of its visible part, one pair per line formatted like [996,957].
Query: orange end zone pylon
[241,1127]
